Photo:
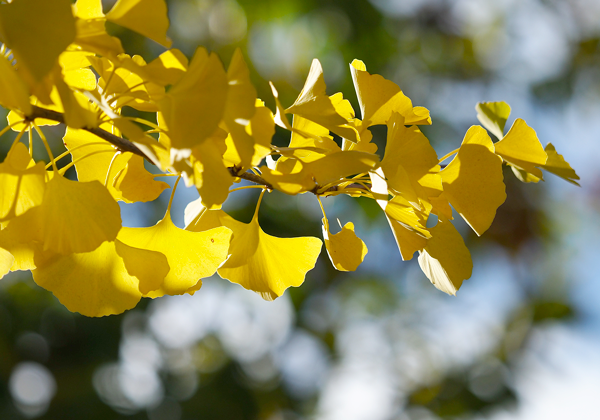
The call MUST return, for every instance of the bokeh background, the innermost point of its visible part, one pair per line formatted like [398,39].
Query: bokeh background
[521,340]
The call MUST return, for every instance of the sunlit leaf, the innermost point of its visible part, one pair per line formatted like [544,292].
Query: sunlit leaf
[37,31]
[346,250]
[446,261]
[22,183]
[473,181]
[14,92]
[191,256]
[521,148]
[493,116]
[6,262]
[314,104]
[194,106]
[94,283]
[558,166]
[147,17]
[260,262]
[379,98]
[71,208]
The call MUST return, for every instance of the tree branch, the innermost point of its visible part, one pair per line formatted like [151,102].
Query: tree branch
[249,176]
[120,143]
[125,145]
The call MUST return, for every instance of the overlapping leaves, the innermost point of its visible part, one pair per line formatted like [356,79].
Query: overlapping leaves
[59,65]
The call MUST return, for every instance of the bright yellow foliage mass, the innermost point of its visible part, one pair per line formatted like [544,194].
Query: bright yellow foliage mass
[60,66]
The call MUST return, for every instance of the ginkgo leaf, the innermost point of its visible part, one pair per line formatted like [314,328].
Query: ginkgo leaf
[493,116]
[379,97]
[211,176]
[446,261]
[292,176]
[191,256]
[260,262]
[79,112]
[522,148]
[314,104]
[94,283]
[22,183]
[150,267]
[128,84]
[22,246]
[194,106]
[410,233]
[92,37]
[37,31]
[557,165]
[128,180]
[346,250]
[14,93]
[135,184]
[76,217]
[240,108]
[147,17]
[410,164]
[6,262]
[473,181]
[307,136]
[88,9]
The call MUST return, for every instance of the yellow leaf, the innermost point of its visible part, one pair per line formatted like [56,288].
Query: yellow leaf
[259,262]
[521,148]
[76,216]
[150,267]
[22,183]
[92,37]
[493,116]
[211,177]
[128,83]
[558,166]
[147,17]
[93,283]
[37,31]
[379,98]
[314,104]
[473,181]
[240,108]
[407,226]
[191,255]
[346,250]
[410,164]
[136,184]
[167,68]
[446,261]
[307,136]
[14,93]
[6,262]
[194,106]
[293,176]
[78,111]
[22,247]
[88,9]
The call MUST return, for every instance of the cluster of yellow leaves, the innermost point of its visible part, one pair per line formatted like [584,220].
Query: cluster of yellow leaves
[210,129]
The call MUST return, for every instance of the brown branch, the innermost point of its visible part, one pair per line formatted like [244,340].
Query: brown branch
[249,176]
[120,143]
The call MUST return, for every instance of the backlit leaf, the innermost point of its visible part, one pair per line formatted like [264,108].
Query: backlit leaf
[147,17]
[473,181]
[446,261]
[521,148]
[558,166]
[93,283]
[493,116]
[191,256]
[346,250]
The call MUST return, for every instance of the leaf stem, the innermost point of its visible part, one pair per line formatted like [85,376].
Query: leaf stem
[46,145]
[448,155]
